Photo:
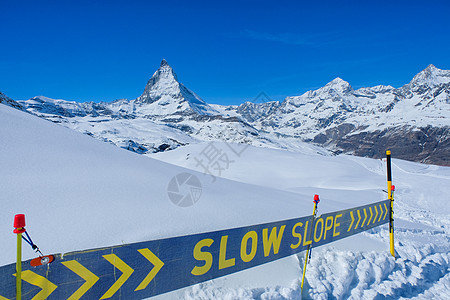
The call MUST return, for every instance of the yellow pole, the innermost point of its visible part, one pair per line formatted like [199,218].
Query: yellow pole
[19,267]
[309,246]
[19,228]
[391,198]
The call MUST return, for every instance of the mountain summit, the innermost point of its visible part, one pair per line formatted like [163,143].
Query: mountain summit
[163,82]
[430,77]
[164,63]
[169,96]
[336,85]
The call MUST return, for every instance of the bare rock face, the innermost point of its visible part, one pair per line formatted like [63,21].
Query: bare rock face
[429,145]
[10,102]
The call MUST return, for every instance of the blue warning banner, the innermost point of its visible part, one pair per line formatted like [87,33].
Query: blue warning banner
[142,270]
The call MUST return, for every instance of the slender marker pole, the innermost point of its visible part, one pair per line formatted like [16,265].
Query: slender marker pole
[391,198]
[19,228]
[19,267]
[316,201]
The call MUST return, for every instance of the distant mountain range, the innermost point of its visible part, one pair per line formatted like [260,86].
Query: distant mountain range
[413,121]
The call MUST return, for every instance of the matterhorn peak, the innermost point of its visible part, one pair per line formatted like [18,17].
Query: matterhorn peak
[163,82]
[164,63]
[166,95]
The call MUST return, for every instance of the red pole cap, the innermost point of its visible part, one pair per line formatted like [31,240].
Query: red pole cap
[19,223]
[316,199]
[393,188]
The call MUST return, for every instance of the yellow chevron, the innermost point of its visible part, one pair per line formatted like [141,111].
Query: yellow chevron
[3,298]
[376,214]
[84,273]
[371,215]
[365,217]
[381,213]
[353,220]
[359,219]
[157,265]
[39,281]
[126,273]
[386,211]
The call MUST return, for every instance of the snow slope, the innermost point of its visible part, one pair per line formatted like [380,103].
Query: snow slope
[80,193]
[62,180]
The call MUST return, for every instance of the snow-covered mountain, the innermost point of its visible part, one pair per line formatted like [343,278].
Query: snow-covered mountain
[413,120]
[167,115]
[165,95]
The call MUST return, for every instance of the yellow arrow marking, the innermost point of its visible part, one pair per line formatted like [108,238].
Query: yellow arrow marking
[359,219]
[376,214]
[386,210]
[157,263]
[353,220]
[381,213]
[365,217]
[39,281]
[3,298]
[126,273]
[84,273]
[371,215]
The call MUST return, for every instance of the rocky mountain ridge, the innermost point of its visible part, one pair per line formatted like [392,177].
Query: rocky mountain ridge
[10,102]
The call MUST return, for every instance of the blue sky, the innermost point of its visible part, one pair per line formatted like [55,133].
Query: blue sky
[227,52]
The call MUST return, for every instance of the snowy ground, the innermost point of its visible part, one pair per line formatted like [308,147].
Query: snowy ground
[80,193]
